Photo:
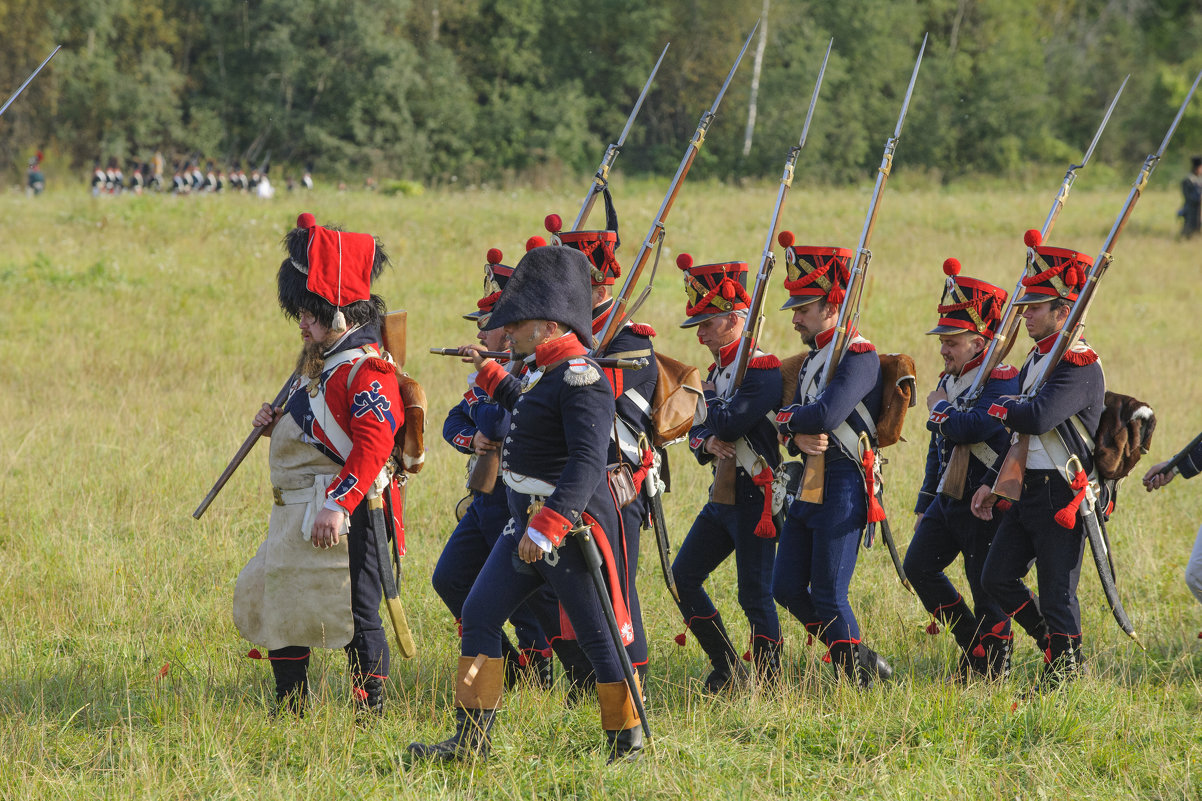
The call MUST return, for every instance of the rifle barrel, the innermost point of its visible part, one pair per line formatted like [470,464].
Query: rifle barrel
[32,75]
[504,356]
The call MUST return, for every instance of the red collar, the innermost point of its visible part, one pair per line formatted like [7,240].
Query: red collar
[975,361]
[565,347]
[1044,346]
[823,339]
[601,314]
[726,353]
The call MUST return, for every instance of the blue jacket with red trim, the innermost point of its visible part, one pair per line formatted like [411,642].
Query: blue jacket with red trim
[475,412]
[369,411]
[951,426]
[1191,465]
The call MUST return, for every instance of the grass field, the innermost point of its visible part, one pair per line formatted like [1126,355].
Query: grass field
[139,335]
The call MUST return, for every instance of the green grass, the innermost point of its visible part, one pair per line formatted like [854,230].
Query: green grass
[140,334]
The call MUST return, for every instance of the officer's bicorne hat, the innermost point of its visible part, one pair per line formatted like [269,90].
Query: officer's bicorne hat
[328,273]
[713,289]
[814,272]
[598,246]
[1052,273]
[496,276]
[968,304]
[549,283]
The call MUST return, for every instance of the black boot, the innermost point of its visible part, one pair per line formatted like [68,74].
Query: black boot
[476,706]
[1065,666]
[728,670]
[369,694]
[962,622]
[540,669]
[624,745]
[847,665]
[765,655]
[1031,619]
[471,739]
[291,671]
[873,664]
[620,719]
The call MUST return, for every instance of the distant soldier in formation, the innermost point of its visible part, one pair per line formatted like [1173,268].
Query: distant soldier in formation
[477,426]
[820,542]
[1191,192]
[553,464]
[316,582]
[35,181]
[737,426]
[1043,527]
[969,313]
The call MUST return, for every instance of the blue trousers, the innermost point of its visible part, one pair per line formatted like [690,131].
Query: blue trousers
[817,555]
[464,555]
[717,532]
[948,529]
[505,582]
[632,522]
[1028,535]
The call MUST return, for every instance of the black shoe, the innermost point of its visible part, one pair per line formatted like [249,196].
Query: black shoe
[1066,665]
[728,671]
[540,669]
[765,655]
[848,665]
[369,695]
[471,739]
[625,745]
[873,663]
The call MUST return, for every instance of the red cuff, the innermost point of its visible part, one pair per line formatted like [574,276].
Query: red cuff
[998,411]
[551,524]
[489,376]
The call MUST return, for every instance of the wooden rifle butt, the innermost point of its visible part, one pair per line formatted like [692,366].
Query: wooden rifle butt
[392,332]
[957,471]
[483,477]
[813,479]
[724,482]
[1009,484]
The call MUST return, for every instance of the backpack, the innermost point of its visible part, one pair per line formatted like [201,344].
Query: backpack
[1124,434]
[678,402]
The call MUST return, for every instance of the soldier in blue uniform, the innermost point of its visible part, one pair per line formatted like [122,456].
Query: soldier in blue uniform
[553,464]
[820,542]
[634,388]
[738,425]
[969,313]
[1043,527]
[475,426]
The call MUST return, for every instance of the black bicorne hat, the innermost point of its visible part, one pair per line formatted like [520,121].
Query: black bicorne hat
[549,283]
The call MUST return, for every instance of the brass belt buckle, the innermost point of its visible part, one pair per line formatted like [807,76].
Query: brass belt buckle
[279,496]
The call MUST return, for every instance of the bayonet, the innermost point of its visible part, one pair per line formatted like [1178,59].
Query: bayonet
[32,75]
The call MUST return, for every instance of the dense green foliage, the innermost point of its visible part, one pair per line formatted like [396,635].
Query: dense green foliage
[477,91]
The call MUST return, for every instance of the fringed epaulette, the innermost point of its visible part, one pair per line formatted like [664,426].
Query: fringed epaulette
[1004,372]
[765,362]
[1081,355]
[374,364]
[642,329]
[580,373]
[862,347]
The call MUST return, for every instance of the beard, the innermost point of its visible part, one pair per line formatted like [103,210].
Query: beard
[312,358]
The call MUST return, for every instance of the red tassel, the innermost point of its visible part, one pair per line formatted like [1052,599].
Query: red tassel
[876,512]
[1200,635]
[933,627]
[827,657]
[999,628]
[360,693]
[522,660]
[1002,505]
[765,528]
[640,475]
[680,638]
[979,651]
[546,653]
[1067,517]
[459,626]
[163,670]
[836,295]
[253,653]
[1047,656]
[747,656]
[810,638]
[1014,707]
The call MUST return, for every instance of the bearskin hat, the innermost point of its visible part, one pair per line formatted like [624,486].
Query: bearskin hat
[549,283]
[329,271]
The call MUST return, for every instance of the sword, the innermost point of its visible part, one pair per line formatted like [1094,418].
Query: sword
[660,525]
[32,75]
[887,536]
[382,531]
[592,559]
[1099,545]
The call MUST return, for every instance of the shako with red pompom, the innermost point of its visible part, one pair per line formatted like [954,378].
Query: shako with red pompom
[712,289]
[599,246]
[814,272]
[496,276]
[1052,273]
[968,304]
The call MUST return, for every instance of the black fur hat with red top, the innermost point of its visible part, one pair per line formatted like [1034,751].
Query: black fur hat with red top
[968,304]
[496,276]
[328,273]
[1052,273]
[713,289]
[598,246]
[814,273]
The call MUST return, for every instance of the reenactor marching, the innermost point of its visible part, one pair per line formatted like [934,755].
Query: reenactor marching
[969,313]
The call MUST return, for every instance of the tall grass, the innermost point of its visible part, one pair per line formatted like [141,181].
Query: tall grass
[140,334]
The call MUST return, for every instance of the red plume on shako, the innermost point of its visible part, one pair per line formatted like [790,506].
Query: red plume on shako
[814,273]
[535,242]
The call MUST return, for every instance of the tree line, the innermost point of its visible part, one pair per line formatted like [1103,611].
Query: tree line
[475,91]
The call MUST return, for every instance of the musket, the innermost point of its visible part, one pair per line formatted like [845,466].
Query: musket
[621,313]
[243,451]
[504,356]
[813,478]
[382,531]
[1010,476]
[724,469]
[952,482]
[601,178]
[32,75]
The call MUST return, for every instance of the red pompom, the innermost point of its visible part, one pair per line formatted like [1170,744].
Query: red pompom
[786,239]
[306,221]
[951,266]
[494,256]
[1074,276]
[836,295]
[747,656]
[684,261]
[553,223]
[979,651]
[254,653]
[535,242]
[680,638]
[1033,238]
[727,289]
